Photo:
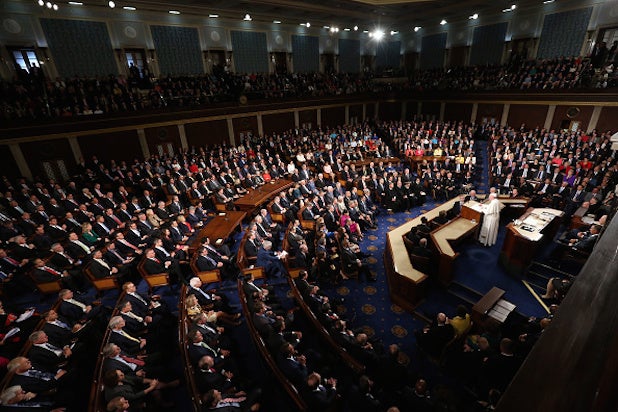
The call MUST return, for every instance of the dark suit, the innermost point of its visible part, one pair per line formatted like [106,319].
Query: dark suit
[44,359]
[127,345]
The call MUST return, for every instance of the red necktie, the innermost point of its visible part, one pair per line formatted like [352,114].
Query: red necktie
[137,362]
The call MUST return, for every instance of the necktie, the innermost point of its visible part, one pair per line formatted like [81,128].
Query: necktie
[50,270]
[138,297]
[213,250]
[11,261]
[122,359]
[126,335]
[52,348]
[45,376]
[61,324]
[134,361]
[103,263]
[76,303]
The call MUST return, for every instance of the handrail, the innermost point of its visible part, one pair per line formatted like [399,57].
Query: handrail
[352,363]
[182,340]
[289,388]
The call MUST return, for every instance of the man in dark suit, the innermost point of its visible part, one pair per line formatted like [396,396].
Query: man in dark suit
[44,355]
[319,397]
[43,273]
[270,261]
[59,332]
[75,311]
[129,344]
[293,367]
[421,249]
[34,380]
[498,370]
[433,339]
[251,247]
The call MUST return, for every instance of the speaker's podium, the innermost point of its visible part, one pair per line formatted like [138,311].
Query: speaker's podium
[491,309]
[525,236]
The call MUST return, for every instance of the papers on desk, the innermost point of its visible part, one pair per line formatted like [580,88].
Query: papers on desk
[501,310]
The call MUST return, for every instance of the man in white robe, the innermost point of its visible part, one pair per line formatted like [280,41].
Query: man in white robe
[491,220]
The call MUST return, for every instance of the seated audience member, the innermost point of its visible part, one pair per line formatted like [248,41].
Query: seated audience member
[498,370]
[271,261]
[320,397]
[214,400]
[461,323]
[433,339]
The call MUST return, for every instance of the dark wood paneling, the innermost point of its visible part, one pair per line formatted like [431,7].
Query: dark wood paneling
[370,110]
[607,119]
[489,111]
[458,112]
[390,111]
[279,122]
[308,117]
[560,115]
[106,146]
[206,133]
[457,56]
[244,125]
[333,116]
[411,110]
[9,166]
[162,135]
[530,114]
[431,109]
[356,110]
[37,152]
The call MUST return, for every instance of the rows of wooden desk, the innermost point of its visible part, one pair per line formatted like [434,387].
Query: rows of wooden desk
[254,198]
[220,227]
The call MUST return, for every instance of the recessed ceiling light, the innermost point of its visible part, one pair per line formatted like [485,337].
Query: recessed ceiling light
[277,21]
[55,7]
[417,28]
[173,12]
[76,3]
[355,28]
[393,32]
[548,1]
[473,17]
[326,27]
[213,16]
[247,17]
[513,7]
[131,8]
[308,24]
[378,34]
[366,31]
[347,29]
[111,4]
[41,3]
[443,22]
[49,5]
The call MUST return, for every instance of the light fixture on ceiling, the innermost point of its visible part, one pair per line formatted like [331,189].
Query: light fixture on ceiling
[277,21]
[548,1]
[417,28]
[334,29]
[247,17]
[41,3]
[49,5]
[55,7]
[365,31]
[308,24]
[473,17]
[355,28]
[213,16]
[347,29]
[509,9]
[76,3]
[326,27]
[443,22]
[377,34]
[394,32]
[111,4]
[130,8]
[173,12]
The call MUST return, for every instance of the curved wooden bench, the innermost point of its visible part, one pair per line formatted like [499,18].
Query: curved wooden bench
[285,384]
[46,288]
[206,276]
[347,359]
[100,285]
[153,280]
[183,330]
[97,389]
